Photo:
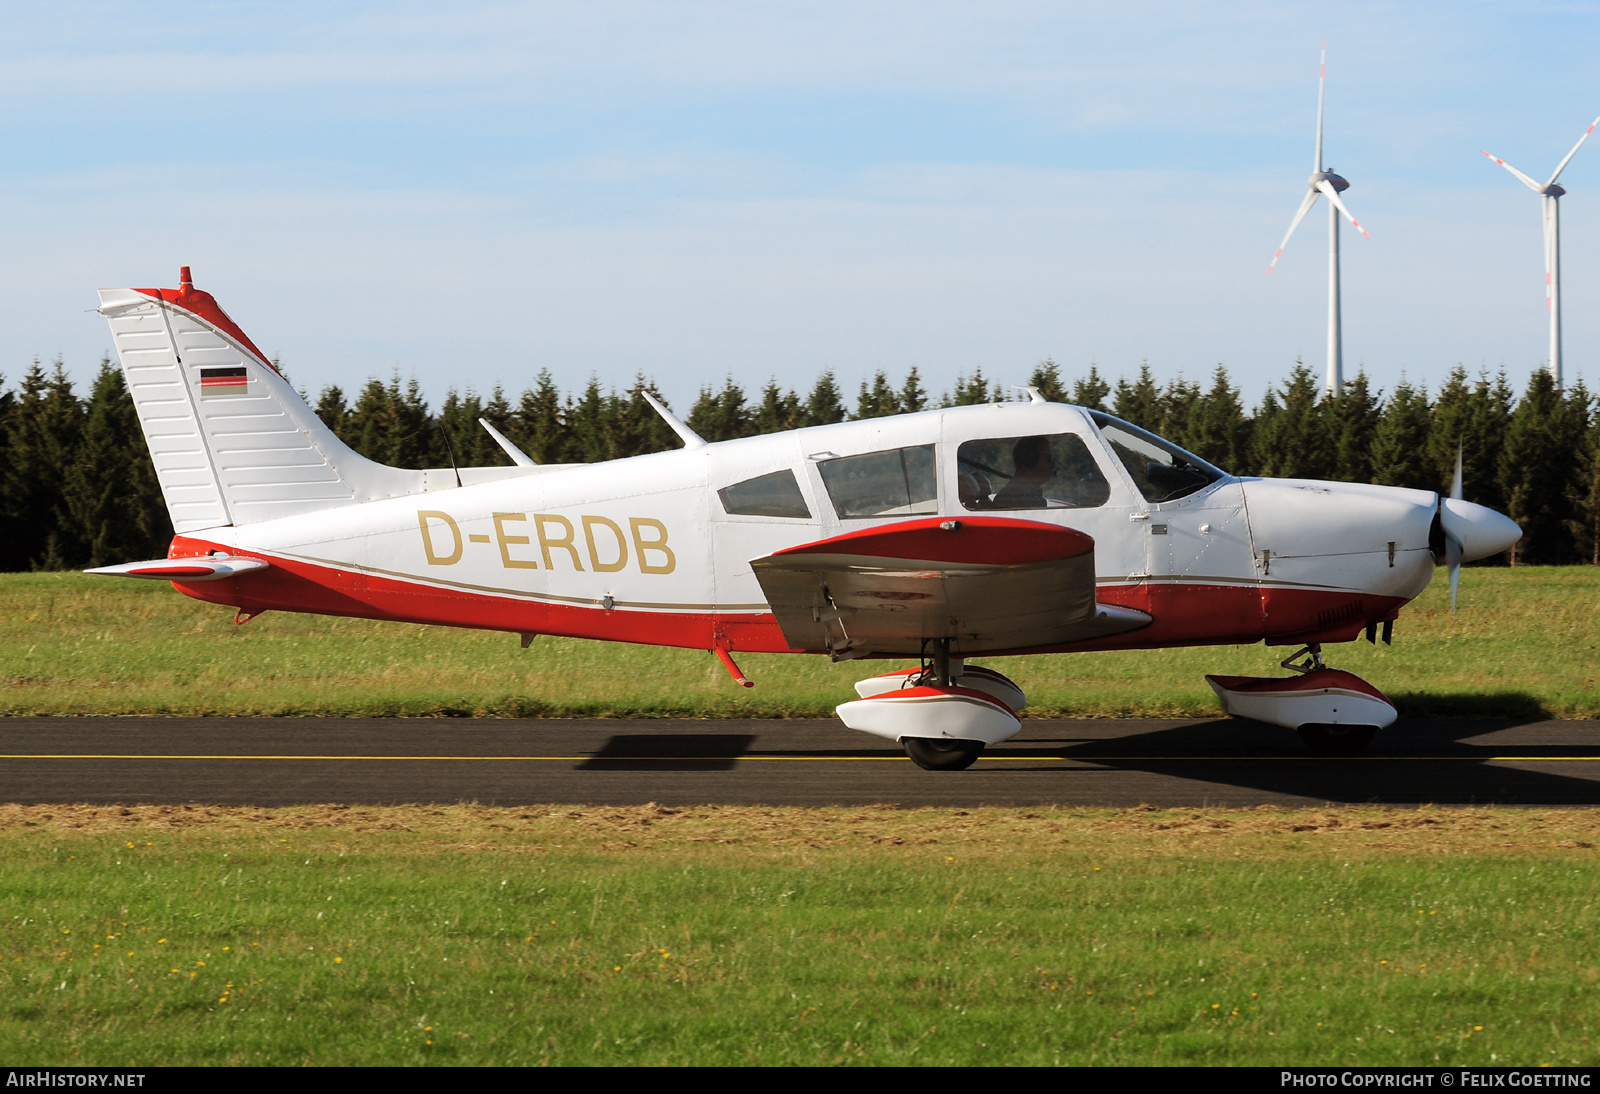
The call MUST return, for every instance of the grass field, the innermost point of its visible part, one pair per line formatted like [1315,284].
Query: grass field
[468,935]
[1523,643]
[570,935]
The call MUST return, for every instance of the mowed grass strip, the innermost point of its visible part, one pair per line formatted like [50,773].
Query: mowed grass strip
[1522,644]
[571,935]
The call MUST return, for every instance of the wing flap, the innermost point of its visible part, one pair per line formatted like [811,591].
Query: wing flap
[986,583]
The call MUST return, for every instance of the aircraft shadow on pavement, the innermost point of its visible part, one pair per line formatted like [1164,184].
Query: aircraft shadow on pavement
[670,752]
[1444,761]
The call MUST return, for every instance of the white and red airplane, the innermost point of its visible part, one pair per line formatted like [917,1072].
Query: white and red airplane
[948,534]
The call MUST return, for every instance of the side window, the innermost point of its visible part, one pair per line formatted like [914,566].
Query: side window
[774,495]
[899,483]
[1054,472]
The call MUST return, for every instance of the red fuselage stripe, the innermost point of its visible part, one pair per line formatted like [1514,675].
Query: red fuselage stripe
[1183,614]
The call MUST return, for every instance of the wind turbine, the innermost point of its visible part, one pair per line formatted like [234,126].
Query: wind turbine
[1327,184]
[1551,193]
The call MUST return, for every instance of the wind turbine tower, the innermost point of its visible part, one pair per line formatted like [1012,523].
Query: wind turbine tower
[1550,194]
[1326,184]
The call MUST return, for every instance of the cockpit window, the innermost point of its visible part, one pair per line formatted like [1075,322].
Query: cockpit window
[774,495]
[1054,472]
[898,483]
[1160,469]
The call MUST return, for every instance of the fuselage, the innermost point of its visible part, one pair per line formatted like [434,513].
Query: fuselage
[656,548]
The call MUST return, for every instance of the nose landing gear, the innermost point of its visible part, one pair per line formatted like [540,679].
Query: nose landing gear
[1335,712]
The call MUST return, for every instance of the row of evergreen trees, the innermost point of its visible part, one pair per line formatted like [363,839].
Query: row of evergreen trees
[78,488]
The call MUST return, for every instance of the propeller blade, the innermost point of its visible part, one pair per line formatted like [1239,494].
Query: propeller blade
[1563,165]
[1452,543]
[1305,207]
[1471,531]
[1333,195]
[1532,185]
[1452,554]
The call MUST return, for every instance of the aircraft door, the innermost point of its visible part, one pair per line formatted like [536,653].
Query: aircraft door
[1059,478]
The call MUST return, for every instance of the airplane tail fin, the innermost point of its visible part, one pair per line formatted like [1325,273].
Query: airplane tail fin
[232,442]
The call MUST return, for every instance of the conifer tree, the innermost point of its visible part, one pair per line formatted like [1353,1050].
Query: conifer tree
[1221,432]
[1091,391]
[1470,418]
[1180,412]
[393,426]
[538,427]
[1139,403]
[331,408]
[824,405]
[878,401]
[913,396]
[111,507]
[973,390]
[1289,440]
[588,438]
[461,440]
[1351,428]
[1047,378]
[722,415]
[1584,525]
[779,410]
[1538,476]
[1400,441]
[42,434]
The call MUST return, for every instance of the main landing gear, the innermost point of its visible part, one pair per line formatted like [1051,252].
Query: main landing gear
[1335,712]
[943,712]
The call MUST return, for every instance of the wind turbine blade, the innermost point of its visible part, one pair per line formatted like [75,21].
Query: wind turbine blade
[1534,186]
[1305,207]
[1333,195]
[1322,79]
[1563,165]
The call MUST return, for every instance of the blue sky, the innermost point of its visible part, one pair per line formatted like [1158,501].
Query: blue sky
[471,193]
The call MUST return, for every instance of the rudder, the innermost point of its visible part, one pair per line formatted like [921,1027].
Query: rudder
[232,442]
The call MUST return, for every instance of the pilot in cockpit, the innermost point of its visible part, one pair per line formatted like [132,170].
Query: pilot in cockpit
[1033,467]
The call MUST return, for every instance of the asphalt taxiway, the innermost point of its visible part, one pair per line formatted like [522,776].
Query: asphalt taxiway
[291,761]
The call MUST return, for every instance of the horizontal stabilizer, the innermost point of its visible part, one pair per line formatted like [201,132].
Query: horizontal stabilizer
[985,583]
[208,568]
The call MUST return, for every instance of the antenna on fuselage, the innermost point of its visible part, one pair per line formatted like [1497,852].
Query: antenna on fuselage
[518,456]
[691,439]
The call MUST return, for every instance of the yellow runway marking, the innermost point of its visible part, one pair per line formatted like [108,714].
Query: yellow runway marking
[797,759]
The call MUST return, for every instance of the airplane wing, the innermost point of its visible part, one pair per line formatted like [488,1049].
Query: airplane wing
[986,583]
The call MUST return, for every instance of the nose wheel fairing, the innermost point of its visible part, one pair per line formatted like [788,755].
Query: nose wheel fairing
[1335,712]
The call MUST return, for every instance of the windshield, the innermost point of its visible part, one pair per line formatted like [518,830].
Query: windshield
[1160,469]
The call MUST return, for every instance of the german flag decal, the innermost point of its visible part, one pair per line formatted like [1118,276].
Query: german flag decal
[224,381]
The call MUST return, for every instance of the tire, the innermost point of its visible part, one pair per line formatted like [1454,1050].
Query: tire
[1336,740]
[941,754]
